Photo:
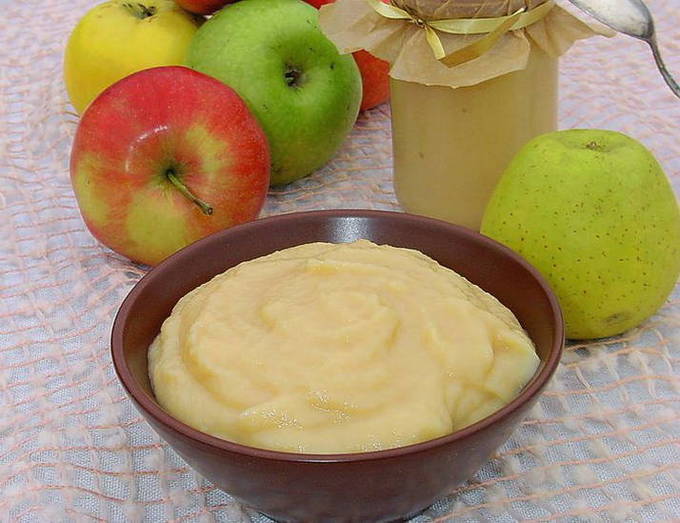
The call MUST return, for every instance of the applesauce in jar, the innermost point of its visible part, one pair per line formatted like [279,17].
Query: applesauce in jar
[451,145]
[471,83]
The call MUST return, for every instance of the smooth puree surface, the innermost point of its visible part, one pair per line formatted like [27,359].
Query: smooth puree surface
[333,348]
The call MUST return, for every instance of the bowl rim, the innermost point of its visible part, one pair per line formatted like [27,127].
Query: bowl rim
[150,407]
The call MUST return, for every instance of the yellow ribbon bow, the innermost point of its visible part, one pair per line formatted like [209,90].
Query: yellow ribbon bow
[494,28]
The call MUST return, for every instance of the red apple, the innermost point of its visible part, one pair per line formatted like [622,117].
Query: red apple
[319,3]
[164,157]
[203,7]
[375,79]
[374,72]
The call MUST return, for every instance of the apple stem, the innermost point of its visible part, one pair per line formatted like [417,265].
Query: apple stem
[207,209]
[594,146]
[140,10]
[292,76]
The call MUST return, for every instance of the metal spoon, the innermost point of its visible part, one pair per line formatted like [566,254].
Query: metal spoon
[630,17]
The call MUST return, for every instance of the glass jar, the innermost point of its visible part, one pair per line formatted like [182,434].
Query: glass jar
[451,145]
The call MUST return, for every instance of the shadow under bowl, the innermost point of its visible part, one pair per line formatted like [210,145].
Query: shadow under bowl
[370,486]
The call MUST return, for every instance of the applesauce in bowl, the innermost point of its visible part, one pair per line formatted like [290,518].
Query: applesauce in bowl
[358,486]
[333,348]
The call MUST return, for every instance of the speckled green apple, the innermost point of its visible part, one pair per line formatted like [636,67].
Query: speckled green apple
[594,212]
[164,157]
[305,95]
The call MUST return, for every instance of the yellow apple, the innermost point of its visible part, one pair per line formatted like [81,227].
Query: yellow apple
[120,37]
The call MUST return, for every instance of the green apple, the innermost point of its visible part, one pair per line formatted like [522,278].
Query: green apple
[274,55]
[594,212]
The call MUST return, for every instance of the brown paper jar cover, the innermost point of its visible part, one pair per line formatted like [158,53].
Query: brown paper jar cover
[354,25]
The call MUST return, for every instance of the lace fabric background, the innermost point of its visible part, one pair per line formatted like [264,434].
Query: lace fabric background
[602,444]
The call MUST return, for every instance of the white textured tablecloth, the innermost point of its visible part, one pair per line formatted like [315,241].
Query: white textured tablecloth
[603,444]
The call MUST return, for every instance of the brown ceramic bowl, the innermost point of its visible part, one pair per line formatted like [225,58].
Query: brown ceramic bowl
[371,486]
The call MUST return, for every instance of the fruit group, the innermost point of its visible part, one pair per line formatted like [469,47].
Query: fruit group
[305,95]
[117,38]
[164,157]
[203,7]
[594,212]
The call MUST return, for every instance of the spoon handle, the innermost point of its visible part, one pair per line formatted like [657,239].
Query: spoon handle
[662,67]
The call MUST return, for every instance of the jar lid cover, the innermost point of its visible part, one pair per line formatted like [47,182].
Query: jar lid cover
[410,43]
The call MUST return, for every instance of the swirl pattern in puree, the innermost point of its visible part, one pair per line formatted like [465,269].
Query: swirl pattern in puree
[331,348]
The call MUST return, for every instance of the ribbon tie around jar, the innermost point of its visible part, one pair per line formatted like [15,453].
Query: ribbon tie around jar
[493,28]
